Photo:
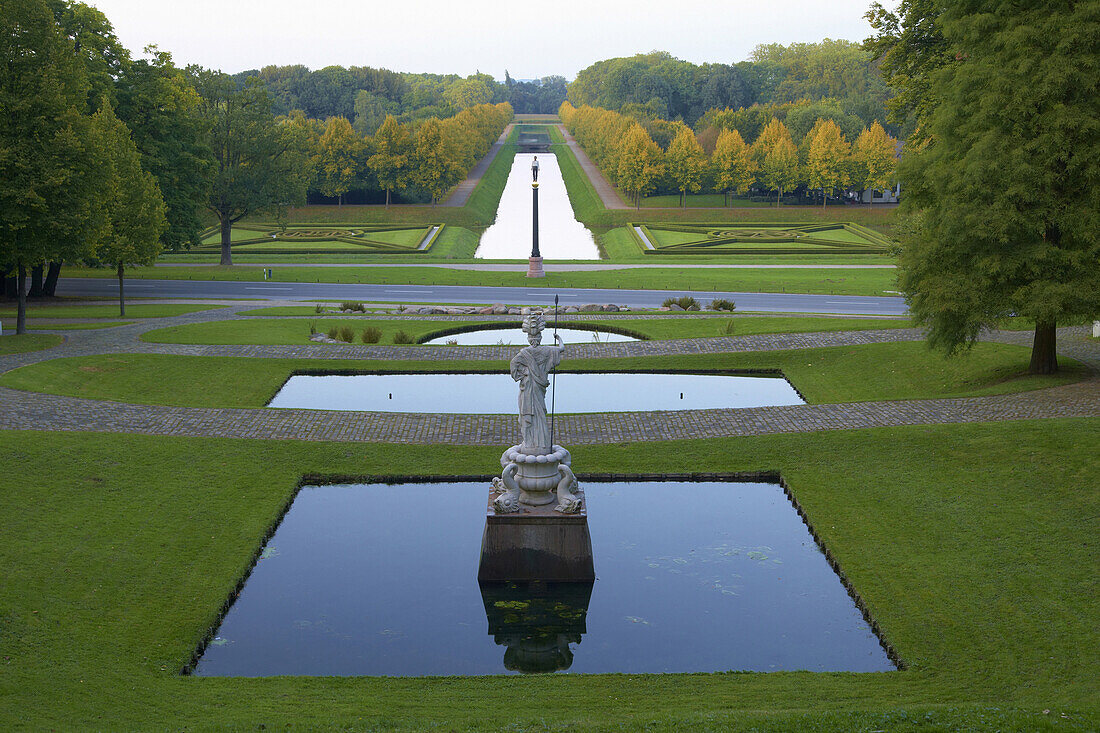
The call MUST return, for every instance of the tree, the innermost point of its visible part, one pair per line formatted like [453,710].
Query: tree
[434,165]
[639,163]
[49,201]
[467,93]
[337,161]
[259,164]
[827,163]
[159,105]
[780,168]
[733,166]
[132,204]
[1005,197]
[685,163]
[877,155]
[390,161]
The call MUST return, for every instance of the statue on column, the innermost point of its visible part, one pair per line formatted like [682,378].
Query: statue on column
[531,369]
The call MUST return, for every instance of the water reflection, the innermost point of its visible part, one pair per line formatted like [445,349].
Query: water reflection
[561,236]
[474,394]
[537,622]
[516,337]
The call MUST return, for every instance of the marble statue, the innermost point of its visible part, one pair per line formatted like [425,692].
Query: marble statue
[535,472]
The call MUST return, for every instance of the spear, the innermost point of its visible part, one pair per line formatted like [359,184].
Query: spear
[554,378]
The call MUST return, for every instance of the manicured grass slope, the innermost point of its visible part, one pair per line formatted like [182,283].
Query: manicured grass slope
[837,374]
[973,546]
[13,344]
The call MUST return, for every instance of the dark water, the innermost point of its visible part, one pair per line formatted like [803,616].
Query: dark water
[516,337]
[691,577]
[497,393]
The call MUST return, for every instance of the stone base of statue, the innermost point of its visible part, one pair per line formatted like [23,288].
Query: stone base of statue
[535,543]
[534,267]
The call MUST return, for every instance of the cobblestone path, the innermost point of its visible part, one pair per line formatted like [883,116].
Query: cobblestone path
[32,411]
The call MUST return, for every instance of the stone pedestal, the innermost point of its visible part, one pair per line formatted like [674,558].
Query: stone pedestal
[536,543]
[534,267]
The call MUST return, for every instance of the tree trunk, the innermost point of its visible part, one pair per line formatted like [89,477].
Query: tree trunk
[21,312]
[227,238]
[340,200]
[121,293]
[36,282]
[1044,352]
[387,198]
[778,195]
[50,286]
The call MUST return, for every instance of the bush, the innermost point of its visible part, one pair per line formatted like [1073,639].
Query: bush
[312,327]
[686,302]
[728,329]
[402,338]
[353,305]
[371,335]
[318,308]
[451,342]
[721,304]
[346,334]
[333,333]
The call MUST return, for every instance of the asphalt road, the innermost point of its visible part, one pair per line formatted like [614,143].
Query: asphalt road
[774,302]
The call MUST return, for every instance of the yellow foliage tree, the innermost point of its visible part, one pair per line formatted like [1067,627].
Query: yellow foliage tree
[876,152]
[685,162]
[732,164]
[639,163]
[827,163]
[338,160]
[780,170]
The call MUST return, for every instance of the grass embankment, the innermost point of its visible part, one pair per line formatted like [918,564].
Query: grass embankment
[10,343]
[838,282]
[270,331]
[889,371]
[119,550]
[108,311]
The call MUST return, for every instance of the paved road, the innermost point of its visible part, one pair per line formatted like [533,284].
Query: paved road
[769,302]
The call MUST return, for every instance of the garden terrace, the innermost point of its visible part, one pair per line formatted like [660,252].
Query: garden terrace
[257,238]
[757,239]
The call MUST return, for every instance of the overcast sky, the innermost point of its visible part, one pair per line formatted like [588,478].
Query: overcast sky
[530,39]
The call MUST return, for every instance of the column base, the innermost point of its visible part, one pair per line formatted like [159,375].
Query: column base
[534,267]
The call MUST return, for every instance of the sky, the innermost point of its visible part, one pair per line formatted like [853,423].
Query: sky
[529,39]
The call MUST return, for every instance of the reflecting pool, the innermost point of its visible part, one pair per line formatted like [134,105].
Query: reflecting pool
[374,579]
[473,394]
[561,236]
[516,337]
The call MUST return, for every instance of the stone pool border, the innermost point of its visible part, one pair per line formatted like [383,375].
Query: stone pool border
[322,479]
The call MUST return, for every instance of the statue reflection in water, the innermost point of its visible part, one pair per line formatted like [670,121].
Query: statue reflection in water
[537,621]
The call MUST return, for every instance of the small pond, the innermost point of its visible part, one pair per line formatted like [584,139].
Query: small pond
[561,236]
[691,577]
[516,337]
[474,394]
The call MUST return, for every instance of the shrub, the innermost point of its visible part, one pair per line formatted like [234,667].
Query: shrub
[686,302]
[312,327]
[346,334]
[721,304]
[451,342]
[402,338]
[353,305]
[371,335]
[728,329]
[318,308]
[333,333]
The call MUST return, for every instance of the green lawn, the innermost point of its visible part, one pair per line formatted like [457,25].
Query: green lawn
[271,331]
[12,344]
[697,201]
[972,545]
[107,311]
[838,282]
[836,374]
[33,325]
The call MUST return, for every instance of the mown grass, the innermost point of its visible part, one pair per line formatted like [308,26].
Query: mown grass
[107,311]
[972,545]
[33,325]
[269,331]
[888,371]
[838,282]
[10,343]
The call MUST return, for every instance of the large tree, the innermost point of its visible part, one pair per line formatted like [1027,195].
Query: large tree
[732,164]
[338,160]
[877,156]
[685,163]
[131,200]
[259,164]
[828,161]
[390,162]
[1006,195]
[49,200]
[639,163]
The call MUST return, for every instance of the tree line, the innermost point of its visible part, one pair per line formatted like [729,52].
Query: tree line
[822,159]
[106,159]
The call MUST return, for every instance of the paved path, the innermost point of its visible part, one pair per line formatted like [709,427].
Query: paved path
[606,191]
[461,193]
[531,295]
[32,411]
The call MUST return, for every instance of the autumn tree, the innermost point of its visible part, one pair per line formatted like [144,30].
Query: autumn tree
[780,168]
[49,198]
[390,161]
[827,163]
[433,169]
[877,155]
[732,164]
[639,163]
[337,161]
[1004,199]
[130,199]
[685,163]
[259,163]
